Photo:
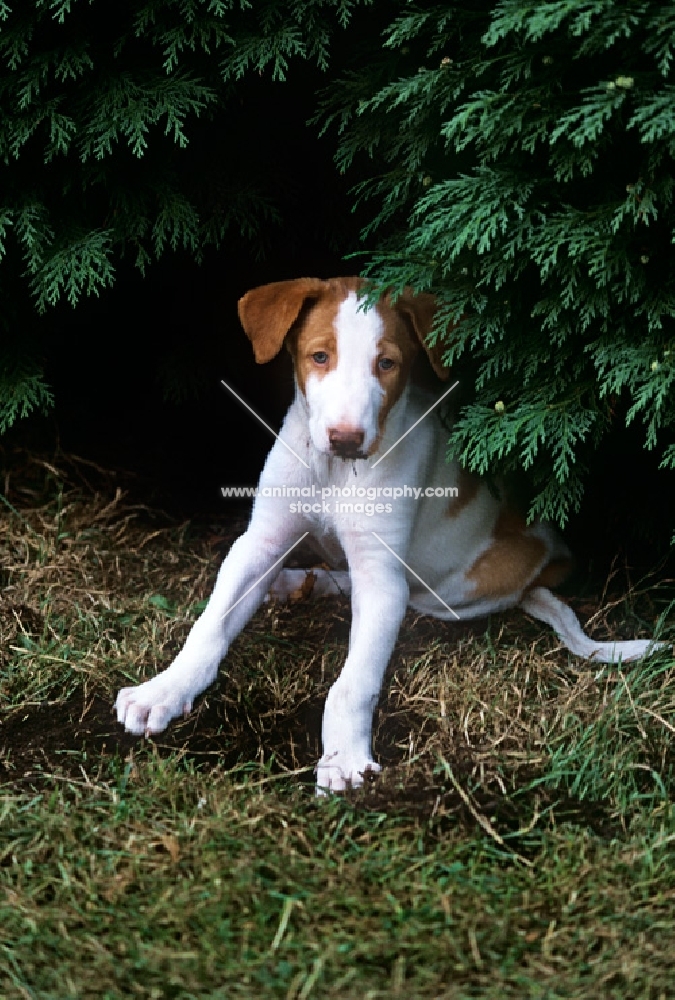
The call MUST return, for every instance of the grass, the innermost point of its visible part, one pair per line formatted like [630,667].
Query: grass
[519,843]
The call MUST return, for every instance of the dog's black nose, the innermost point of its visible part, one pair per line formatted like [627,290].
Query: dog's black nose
[346,442]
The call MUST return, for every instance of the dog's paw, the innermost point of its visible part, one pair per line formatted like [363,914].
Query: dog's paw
[341,770]
[150,707]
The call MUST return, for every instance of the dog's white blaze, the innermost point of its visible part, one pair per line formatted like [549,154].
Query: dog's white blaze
[350,396]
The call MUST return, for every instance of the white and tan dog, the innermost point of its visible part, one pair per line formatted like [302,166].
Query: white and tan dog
[345,433]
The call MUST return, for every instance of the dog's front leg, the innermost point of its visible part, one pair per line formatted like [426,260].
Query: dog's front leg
[243,580]
[379,599]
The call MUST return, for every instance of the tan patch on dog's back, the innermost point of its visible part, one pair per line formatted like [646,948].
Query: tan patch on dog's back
[467,488]
[554,573]
[510,563]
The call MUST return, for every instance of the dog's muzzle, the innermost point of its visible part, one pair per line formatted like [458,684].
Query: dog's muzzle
[346,443]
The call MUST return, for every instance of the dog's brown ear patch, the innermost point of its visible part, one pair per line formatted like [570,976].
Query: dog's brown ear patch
[268,312]
[420,311]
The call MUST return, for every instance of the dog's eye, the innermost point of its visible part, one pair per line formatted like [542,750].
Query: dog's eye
[386,364]
[320,357]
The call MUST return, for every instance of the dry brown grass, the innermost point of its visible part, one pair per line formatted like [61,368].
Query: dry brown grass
[516,844]
[100,591]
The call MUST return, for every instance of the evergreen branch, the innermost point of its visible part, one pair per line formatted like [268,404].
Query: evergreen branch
[6,220]
[177,223]
[129,108]
[22,391]
[81,265]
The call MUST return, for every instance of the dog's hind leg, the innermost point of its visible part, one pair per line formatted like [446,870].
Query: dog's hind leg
[541,603]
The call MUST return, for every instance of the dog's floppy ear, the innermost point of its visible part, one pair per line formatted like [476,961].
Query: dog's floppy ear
[268,312]
[420,310]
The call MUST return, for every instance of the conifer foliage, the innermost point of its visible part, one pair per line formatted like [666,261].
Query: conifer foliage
[523,169]
[97,102]
[517,158]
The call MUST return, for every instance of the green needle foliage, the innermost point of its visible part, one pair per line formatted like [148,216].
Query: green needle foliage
[518,162]
[98,102]
[87,91]
[522,168]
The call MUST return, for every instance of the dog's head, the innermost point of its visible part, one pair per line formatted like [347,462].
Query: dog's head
[351,364]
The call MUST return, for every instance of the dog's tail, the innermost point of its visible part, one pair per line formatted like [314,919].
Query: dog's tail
[541,603]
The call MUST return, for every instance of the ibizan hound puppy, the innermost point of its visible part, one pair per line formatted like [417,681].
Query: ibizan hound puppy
[413,528]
